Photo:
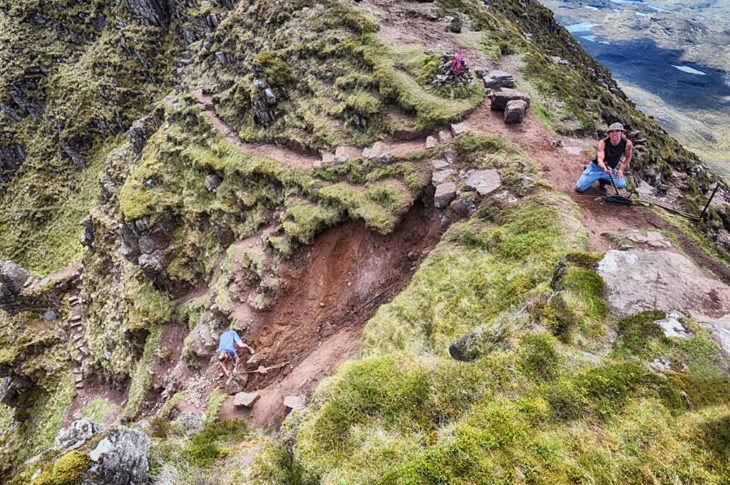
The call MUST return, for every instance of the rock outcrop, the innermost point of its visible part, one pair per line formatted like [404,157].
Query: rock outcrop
[637,281]
[121,458]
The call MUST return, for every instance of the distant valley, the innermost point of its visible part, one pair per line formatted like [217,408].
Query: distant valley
[672,58]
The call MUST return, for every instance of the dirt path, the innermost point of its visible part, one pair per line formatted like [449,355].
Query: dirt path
[280,154]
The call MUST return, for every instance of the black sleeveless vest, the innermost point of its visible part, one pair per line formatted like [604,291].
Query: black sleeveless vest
[613,154]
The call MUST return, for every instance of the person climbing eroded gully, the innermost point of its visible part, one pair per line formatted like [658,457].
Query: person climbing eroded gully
[228,347]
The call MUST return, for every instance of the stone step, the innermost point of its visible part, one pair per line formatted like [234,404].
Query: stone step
[79,385]
[77,337]
[78,344]
[76,318]
[84,350]
[78,378]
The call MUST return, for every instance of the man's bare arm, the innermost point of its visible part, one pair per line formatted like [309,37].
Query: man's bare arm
[600,155]
[628,153]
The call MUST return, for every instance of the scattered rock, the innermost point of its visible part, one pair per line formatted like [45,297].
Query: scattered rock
[246,399]
[515,111]
[645,190]
[459,129]
[498,79]
[49,316]
[13,389]
[500,98]
[87,238]
[463,207]
[76,434]
[660,365]
[440,164]
[295,402]
[328,158]
[212,182]
[450,156]
[441,176]
[444,136]
[505,198]
[384,159]
[445,193]
[652,238]
[720,331]
[431,142]
[190,423]
[234,386]
[376,151]
[483,181]
[673,327]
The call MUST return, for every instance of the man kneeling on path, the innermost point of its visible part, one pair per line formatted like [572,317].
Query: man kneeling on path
[230,342]
[613,156]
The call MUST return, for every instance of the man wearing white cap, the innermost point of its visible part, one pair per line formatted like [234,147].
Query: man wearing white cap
[612,156]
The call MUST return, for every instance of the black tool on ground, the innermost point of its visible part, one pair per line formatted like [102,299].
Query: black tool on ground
[617,198]
[709,201]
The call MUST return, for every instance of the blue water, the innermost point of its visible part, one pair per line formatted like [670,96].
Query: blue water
[661,72]
[581,27]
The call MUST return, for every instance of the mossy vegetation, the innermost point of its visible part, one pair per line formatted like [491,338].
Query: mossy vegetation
[99,409]
[473,276]
[141,379]
[336,79]
[67,470]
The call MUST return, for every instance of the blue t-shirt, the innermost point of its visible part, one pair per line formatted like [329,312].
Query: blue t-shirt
[228,343]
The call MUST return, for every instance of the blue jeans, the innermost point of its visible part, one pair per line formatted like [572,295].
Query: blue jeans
[592,173]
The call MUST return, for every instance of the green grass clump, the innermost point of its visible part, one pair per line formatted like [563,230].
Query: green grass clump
[575,312]
[147,306]
[141,379]
[67,470]
[98,409]
[211,444]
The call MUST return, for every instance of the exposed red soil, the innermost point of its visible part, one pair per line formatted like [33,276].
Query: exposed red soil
[96,388]
[331,290]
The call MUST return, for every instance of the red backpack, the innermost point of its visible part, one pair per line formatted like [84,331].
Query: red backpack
[457,64]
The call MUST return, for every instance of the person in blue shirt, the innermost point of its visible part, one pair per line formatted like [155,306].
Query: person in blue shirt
[228,347]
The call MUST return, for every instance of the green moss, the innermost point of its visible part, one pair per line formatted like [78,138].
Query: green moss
[98,409]
[209,445]
[141,379]
[215,401]
[539,356]
[308,220]
[67,470]
[147,306]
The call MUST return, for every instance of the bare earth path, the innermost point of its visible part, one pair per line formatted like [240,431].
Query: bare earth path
[280,154]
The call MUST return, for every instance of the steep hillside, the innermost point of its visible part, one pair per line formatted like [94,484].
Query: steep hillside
[427,297]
